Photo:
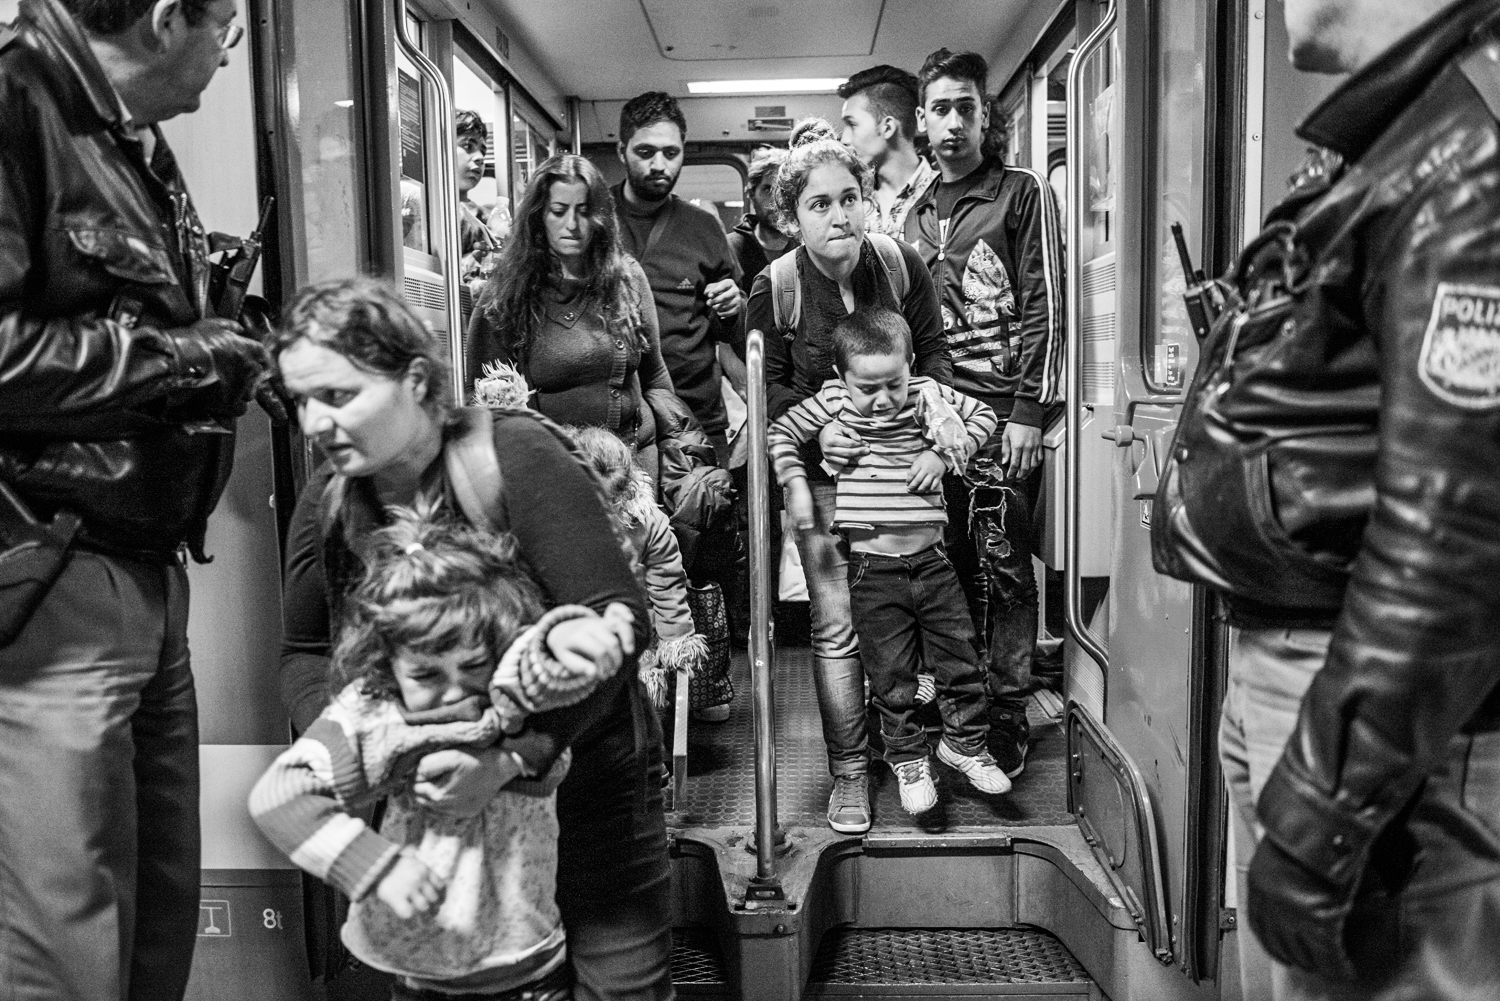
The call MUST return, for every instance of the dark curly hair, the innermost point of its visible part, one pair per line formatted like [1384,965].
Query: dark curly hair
[513,300]
[468,123]
[431,584]
[648,109]
[814,143]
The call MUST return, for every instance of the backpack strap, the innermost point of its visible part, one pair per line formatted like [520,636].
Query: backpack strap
[786,295]
[474,470]
[895,263]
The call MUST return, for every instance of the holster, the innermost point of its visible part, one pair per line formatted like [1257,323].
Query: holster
[33,557]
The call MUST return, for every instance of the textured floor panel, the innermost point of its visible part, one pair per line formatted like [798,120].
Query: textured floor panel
[924,957]
[696,960]
[721,769]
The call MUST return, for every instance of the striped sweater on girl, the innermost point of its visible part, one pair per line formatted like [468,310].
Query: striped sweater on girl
[872,490]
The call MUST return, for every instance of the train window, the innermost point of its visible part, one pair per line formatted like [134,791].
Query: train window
[532,140]
[417,220]
[476,90]
[326,160]
[716,187]
[1170,351]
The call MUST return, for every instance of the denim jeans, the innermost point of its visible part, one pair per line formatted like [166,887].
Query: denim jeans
[991,542]
[840,681]
[99,789]
[1430,930]
[613,875]
[909,609]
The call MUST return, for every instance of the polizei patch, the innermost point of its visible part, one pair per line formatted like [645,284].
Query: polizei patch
[1460,359]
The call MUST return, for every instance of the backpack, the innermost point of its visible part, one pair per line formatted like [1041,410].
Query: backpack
[786,288]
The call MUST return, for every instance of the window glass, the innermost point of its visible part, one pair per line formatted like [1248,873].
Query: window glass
[1099,166]
[326,162]
[1170,349]
[475,90]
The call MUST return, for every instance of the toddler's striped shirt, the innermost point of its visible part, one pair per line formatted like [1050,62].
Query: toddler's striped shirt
[872,490]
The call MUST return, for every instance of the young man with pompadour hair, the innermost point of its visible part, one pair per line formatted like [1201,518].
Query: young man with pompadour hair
[990,234]
[880,125]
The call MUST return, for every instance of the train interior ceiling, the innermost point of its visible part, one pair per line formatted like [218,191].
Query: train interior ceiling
[1103,873]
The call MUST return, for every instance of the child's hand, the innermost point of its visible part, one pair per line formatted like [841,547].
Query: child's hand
[410,888]
[841,444]
[926,474]
[799,504]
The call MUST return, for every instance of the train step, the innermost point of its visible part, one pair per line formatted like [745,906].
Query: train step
[895,963]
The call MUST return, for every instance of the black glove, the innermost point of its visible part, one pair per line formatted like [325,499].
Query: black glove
[1299,916]
[219,365]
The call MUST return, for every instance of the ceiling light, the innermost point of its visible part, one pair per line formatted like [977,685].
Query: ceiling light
[803,85]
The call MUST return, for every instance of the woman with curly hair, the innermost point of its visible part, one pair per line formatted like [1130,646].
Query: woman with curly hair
[572,312]
[821,192]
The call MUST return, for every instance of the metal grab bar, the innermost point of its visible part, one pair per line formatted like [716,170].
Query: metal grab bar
[1073,591]
[447,196]
[762,652]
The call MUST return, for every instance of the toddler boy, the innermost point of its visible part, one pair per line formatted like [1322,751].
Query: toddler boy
[905,598]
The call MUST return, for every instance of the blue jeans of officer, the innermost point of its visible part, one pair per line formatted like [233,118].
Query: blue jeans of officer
[908,609]
[836,658]
[99,843]
[991,542]
[1427,916]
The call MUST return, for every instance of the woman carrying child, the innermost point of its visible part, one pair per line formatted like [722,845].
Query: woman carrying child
[371,387]
[821,193]
[454,907]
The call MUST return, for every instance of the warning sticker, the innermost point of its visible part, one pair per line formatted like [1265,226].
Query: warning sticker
[213,919]
[1460,359]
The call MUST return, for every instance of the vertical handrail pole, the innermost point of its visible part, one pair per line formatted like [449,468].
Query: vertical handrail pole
[1072,501]
[447,195]
[762,653]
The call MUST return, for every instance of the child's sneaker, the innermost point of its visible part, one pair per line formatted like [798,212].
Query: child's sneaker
[918,791]
[980,769]
[926,689]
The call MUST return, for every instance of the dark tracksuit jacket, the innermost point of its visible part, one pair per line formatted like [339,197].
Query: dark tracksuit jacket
[998,269]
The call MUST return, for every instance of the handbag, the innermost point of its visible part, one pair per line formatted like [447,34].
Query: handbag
[711,686]
[33,559]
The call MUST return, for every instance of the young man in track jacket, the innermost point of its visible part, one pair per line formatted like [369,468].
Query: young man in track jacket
[990,235]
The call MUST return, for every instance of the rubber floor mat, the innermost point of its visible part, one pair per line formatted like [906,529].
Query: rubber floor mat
[721,768]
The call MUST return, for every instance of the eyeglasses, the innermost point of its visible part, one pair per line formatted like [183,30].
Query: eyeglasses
[230,35]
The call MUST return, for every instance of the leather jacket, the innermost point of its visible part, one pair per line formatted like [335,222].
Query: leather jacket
[101,257]
[1382,410]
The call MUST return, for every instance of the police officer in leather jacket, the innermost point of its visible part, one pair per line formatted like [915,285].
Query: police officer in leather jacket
[118,396]
[1346,416]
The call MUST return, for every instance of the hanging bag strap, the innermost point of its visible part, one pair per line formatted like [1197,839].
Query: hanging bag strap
[786,295]
[895,264]
[474,470]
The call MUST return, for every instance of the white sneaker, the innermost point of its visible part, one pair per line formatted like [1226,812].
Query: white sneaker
[926,689]
[918,791]
[980,769]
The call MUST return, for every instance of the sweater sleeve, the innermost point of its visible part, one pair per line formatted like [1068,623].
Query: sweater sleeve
[297,806]
[920,308]
[799,425]
[979,418]
[1039,299]
[565,536]
[306,634]
[666,580]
